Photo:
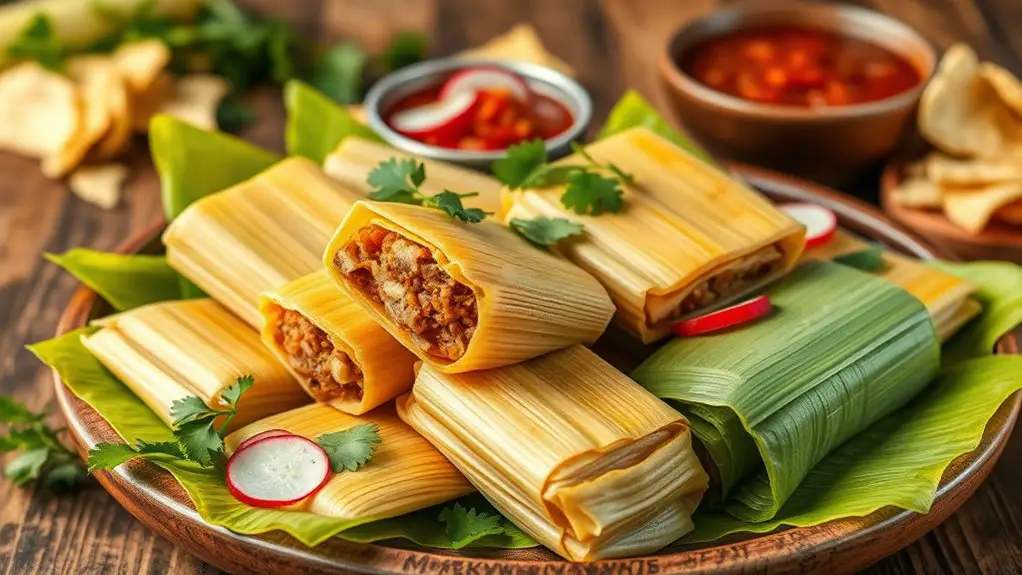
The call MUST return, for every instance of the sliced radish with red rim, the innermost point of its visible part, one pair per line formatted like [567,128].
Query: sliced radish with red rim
[820,223]
[277,471]
[444,119]
[735,315]
[473,80]
[262,435]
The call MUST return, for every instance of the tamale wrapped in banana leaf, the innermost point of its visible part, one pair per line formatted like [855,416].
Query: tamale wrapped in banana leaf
[167,351]
[405,474]
[576,454]
[333,346]
[258,235]
[689,239]
[354,158]
[462,296]
[769,400]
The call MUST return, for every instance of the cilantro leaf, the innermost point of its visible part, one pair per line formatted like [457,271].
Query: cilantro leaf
[545,232]
[338,73]
[27,465]
[450,203]
[232,115]
[588,192]
[620,174]
[404,49]
[24,438]
[463,526]
[110,455]
[38,41]
[12,411]
[351,448]
[199,441]
[189,409]
[64,476]
[232,394]
[394,181]
[524,166]
[867,260]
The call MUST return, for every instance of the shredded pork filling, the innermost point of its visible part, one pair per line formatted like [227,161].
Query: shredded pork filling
[438,312]
[331,373]
[735,279]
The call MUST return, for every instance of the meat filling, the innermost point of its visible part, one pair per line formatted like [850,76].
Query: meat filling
[437,311]
[330,372]
[735,279]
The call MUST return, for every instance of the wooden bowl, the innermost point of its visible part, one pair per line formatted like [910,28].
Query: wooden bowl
[844,546]
[999,241]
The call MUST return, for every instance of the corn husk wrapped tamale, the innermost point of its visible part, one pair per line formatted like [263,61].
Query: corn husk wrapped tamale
[354,158]
[258,235]
[170,350]
[462,296]
[689,239]
[333,346]
[770,399]
[405,474]
[576,454]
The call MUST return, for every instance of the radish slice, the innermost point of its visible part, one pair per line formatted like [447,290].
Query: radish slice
[820,222]
[277,471]
[446,118]
[262,435]
[473,80]
[738,314]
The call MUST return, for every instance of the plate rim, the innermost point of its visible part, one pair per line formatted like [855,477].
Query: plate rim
[841,546]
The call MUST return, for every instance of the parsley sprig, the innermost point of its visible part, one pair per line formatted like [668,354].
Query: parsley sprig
[351,448]
[464,526]
[399,181]
[43,455]
[593,188]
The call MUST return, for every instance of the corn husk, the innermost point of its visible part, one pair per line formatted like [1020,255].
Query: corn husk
[257,235]
[572,451]
[842,349]
[405,474]
[171,350]
[684,221]
[385,368]
[352,160]
[519,44]
[528,301]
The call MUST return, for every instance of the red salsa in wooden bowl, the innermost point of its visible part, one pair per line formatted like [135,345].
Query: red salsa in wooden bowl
[801,67]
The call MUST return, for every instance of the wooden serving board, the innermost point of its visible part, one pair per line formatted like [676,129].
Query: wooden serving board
[844,546]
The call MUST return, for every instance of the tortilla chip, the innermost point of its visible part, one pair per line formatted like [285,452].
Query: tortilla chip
[94,76]
[917,193]
[1004,83]
[141,63]
[195,99]
[100,185]
[960,113]
[1011,214]
[118,136]
[916,169]
[520,44]
[145,105]
[972,210]
[947,171]
[40,111]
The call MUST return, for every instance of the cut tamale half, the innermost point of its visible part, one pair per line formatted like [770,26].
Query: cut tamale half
[333,346]
[770,399]
[354,158]
[689,239]
[405,474]
[170,350]
[576,454]
[462,296]
[258,235]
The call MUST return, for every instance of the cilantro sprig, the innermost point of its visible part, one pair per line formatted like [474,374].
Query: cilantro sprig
[400,181]
[544,232]
[867,260]
[593,188]
[351,448]
[43,455]
[464,526]
[38,41]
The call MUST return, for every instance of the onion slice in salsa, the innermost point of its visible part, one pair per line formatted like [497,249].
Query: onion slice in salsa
[738,314]
[820,222]
[445,118]
[475,80]
[277,471]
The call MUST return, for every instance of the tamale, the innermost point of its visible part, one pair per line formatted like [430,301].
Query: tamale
[770,399]
[462,296]
[170,350]
[354,158]
[405,474]
[333,346]
[689,239]
[257,235]
[576,454]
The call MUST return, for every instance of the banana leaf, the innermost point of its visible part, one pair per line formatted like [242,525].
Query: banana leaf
[316,124]
[125,281]
[1000,294]
[193,163]
[133,420]
[632,111]
[769,401]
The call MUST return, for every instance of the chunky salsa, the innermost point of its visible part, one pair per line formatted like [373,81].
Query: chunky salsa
[499,119]
[791,66]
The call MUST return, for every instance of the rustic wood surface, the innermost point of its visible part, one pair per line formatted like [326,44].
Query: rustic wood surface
[612,44]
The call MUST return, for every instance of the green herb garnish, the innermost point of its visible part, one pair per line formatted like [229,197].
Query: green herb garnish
[399,181]
[43,455]
[352,448]
[39,42]
[867,260]
[463,526]
[545,232]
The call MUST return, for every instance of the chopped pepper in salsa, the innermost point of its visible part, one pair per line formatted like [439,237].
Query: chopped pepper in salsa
[791,66]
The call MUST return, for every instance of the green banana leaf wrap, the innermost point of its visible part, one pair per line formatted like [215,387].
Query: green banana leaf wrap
[769,400]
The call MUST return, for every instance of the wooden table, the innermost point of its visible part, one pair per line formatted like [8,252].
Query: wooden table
[612,44]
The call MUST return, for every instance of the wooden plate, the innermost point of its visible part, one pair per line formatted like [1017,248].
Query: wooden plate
[999,241]
[844,546]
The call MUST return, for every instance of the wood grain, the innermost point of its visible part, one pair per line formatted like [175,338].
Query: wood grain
[612,44]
